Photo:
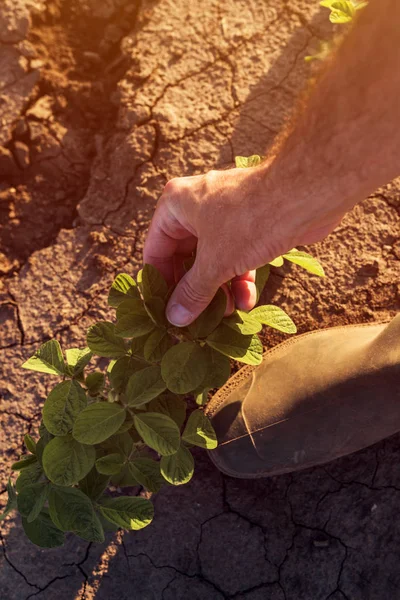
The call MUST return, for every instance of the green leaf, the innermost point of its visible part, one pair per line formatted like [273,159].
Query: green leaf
[122,287]
[144,385]
[178,468]
[31,500]
[48,359]
[275,317]
[24,463]
[155,308]
[218,369]
[244,348]
[243,162]
[110,464]
[183,367]
[11,501]
[277,262]
[103,341]
[62,406]
[169,405]
[66,461]
[305,260]
[262,275]
[95,383]
[43,532]
[243,323]
[128,512]
[94,484]
[137,345]
[147,472]
[157,344]
[202,396]
[126,425]
[28,476]
[199,431]
[120,442]
[78,359]
[30,443]
[98,422]
[210,318]
[342,11]
[42,443]
[159,432]
[151,283]
[123,368]
[124,478]
[132,319]
[71,510]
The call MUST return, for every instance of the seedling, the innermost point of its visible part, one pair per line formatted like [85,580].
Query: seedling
[124,426]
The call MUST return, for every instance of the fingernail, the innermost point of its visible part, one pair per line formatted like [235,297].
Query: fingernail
[178,315]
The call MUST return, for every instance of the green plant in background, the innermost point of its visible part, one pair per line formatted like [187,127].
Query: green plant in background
[126,424]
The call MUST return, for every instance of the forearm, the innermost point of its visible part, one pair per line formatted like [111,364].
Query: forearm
[345,141]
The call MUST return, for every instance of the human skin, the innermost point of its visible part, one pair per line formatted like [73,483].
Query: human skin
[343,143]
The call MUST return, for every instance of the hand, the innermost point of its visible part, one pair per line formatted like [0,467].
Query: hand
[237,223]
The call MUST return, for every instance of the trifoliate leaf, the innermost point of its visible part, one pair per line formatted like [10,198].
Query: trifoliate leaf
[183,367]
[305,260]
[147,472]
[110,464]
[97,422]
[151,283]
[31,500]
[262,275]
[178,468]
[244,162]
[66,461]
[244,348]
[199,431]
[62,406]
[128,512]
[157,344]
[103,341]
[48,359]
[122,287]
[275,317]
[43,532]
[169,405]
[24,463]
[30,443]
[11,500]
[277,262]
[122,369]
[144,385]
[28,476]
[159,432]
[210,318]
[71,510]
[95,383]
[78,359]
[243,323]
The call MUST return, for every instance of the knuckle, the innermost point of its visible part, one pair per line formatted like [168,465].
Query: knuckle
[193,294]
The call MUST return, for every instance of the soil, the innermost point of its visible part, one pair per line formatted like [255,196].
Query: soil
[101,102]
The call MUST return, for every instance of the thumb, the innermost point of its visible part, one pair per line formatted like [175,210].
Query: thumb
[192,295]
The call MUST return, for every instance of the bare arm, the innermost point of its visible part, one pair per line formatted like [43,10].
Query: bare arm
[343,143]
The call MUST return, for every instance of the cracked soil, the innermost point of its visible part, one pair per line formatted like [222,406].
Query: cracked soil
[101,102]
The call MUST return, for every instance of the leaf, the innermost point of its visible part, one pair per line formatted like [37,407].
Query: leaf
[147,472]
[199,431]
[277,262]
[275,317]
[244,348]
[66,461]
[47,359]
[128,512]
[169,405]
[42,443]
[120,442]
[122,287]
[103,341]
[183,367]
[210,318]
[28,476]
[137,345]
[30,443]
[157,344]
[11,501]
[94,484]
[218,370]
[262,275]
[97,422]
[305,260]
[342,11]
[78,359]
[123,368]
[24,462]
[155,308]
[124,478]
[62,406]
[202,397]
[144,385]
[31,500]
[95,383]
[243,162]
[43,532]
[71,510]
[178,468]
[126,425]
[243,323]
[158,431]
[133,324]
[110,464]
[151,283]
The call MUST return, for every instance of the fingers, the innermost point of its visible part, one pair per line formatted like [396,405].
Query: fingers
[244,290]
